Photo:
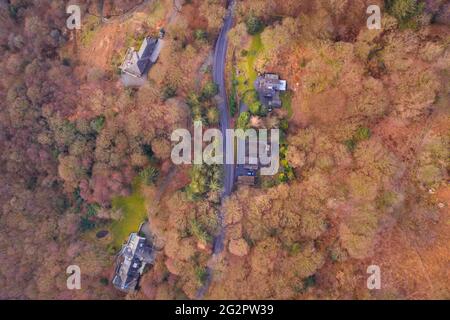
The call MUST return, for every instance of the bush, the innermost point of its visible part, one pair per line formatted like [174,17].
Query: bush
[213,116]
[284,125]
[254,25]
[97,124]
[204,179]
[199,183]
[66,62]
[404,10]
[92,209]
[309,282]
[147,150]
[149,175]
[233,102]
[86,224]
[255,108]
[233,105]
[243,120]
[201,274]
[199,231]
[209,91]
[169,91]
[363,133]
[104,281]
[200,35]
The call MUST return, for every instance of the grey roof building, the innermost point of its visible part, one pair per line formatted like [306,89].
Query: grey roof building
[269,87]
[136,63]
[246,174]
[134,256]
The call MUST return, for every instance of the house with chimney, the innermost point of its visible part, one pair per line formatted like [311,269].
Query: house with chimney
[136,253]
[137,63]
[268,87]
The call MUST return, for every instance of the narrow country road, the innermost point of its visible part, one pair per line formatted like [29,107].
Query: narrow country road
[219,78]
[219,63]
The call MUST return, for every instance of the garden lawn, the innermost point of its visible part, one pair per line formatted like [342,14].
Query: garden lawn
[286,102]
[133,214]
[246,65]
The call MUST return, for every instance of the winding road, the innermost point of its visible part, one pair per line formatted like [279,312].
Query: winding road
[220,56]
[219,63]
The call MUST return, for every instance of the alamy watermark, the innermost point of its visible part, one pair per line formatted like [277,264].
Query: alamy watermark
[374,280]
[374,20]
[74,20]
[74,278]
[261,151]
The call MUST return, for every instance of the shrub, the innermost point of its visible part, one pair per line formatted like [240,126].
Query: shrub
[209,91]
[97,124]
[309,282]
[363,133]
[284,125]
[213,116]
[199,183]
[255,107]
[201,274]
[169,91]
[149,175]
[254,25]
[404,10]
[198,231]
[147,150]
[86,224]
[92,209]
[233,104]
[350,144]
[243,120]
[200,35]
[66,62]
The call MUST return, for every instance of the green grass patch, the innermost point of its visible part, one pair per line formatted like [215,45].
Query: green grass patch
[133,214]
[233,95]
[246,65]
[286,103]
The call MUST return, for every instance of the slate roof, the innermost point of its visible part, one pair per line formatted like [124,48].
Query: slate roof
[247,180]
[269,87]
[134,256]
[136,63]
[247,173]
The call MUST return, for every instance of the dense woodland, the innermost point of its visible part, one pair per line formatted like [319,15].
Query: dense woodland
[365,150]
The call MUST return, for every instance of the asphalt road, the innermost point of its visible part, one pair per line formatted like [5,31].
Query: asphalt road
[219,78]
[219,63]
